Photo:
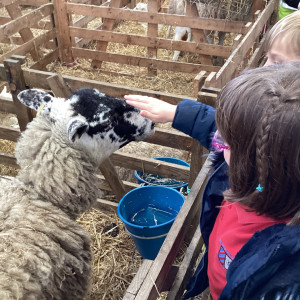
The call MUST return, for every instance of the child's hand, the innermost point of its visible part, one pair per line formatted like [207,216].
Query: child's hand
[152,108]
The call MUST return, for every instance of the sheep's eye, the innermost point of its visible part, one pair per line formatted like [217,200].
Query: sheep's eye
[105,123]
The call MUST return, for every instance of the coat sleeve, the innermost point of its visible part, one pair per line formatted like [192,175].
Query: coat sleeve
[267,266]
[197,120]
[292,3]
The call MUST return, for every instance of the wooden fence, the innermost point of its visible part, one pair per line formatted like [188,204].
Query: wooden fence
[62,35]
[65,23]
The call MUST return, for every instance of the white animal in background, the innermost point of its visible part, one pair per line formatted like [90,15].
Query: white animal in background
[141,7]
[8,119]
[144,7]
[44,253]
[181,34]
[236,10]
[4,94]
[213,9]
[177,7]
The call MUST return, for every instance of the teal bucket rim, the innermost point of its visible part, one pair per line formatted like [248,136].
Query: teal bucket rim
[147,187]
[176,186]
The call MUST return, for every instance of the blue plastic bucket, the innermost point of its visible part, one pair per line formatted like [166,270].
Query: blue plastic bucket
[155,180]
[148,213]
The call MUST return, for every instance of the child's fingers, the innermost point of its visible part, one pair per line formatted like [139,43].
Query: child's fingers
[149,115]
[138,104]
[138,98]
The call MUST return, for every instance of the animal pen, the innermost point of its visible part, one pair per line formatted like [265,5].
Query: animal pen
[70,31]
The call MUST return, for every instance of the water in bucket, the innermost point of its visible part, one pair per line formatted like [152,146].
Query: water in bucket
[148,213]
[152,216]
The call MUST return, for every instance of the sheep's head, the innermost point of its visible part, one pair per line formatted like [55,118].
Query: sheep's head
[90,120]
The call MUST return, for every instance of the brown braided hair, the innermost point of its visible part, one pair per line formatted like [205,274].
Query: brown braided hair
[258,115]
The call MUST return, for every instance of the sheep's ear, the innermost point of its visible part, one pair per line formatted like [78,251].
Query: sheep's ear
[76,128]
[36,99]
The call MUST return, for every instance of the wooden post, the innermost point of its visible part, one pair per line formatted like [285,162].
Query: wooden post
[61,19]
[109,172]
[208,98]
[108,24]
[198,82]
[237,40]
[58,86]
[198,34]
[152,32]
[210,80]
[15,12]
[185,271]
[197,161]
[16,81]
[256,5]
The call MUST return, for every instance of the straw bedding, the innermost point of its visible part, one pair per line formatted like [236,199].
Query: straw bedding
[115,259]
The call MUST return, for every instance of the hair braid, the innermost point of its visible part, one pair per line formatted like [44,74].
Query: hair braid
[262,143]
[296,219]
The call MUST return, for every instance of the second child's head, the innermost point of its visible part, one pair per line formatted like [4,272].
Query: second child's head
[258,115]
[283,40]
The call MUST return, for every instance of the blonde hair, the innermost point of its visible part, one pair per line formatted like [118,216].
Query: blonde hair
[288,29]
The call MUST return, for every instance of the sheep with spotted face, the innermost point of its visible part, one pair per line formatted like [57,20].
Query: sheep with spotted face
[44,253]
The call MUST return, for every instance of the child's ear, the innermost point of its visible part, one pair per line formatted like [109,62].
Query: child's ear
[36,99]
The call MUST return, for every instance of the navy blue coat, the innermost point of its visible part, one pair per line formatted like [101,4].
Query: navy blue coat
[258,270]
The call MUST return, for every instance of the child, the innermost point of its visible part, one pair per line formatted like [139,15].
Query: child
[287,7]
[258,115]
[283,40]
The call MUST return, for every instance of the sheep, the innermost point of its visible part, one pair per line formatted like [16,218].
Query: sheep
[238,10]
[181,34]
[5,95]
[144,7]
[141,7]
[221,9]
[177,7]
[44,253]
[8,119]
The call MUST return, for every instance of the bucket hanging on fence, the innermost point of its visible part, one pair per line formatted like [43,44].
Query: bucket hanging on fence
[155,180]
[148,213]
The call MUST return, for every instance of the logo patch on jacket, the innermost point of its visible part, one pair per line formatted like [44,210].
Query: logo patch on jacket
[224,256]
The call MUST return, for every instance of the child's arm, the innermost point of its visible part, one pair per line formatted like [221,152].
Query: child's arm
[152,108]
[191,117]
[197,120]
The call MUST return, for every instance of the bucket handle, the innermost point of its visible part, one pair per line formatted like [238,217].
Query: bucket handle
[146,237]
